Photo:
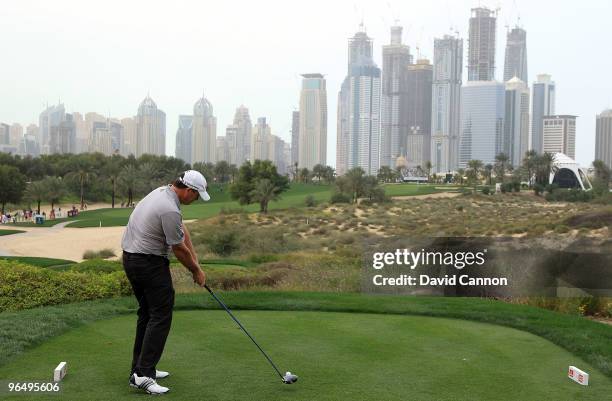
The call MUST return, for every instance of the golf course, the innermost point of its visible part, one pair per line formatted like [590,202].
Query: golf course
[293,278]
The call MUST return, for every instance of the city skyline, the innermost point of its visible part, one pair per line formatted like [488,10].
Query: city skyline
[116,89]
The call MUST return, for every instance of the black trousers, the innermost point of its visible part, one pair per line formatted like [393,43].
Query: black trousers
[150,278]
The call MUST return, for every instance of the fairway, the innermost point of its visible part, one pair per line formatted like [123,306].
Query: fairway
[338,356]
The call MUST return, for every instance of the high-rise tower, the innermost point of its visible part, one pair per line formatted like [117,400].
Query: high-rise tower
[359,110]
[515,62]
[396,58]
[313,122]
[481,58]
[446,104]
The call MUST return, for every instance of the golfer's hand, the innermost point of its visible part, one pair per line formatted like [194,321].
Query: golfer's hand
[199,278]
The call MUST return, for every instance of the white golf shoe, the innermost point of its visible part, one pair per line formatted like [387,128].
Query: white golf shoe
[147,384]
[160,374]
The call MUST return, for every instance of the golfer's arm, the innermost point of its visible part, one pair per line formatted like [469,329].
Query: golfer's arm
[188,242]
[184,255]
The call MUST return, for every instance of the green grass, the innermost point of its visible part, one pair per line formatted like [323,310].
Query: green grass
[338,356]
[9,232]
[409,189]
[39,262]
[588,340]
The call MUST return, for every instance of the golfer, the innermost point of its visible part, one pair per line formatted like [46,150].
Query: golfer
[154,227]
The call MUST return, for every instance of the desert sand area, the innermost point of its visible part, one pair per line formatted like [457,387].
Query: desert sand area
[60,242]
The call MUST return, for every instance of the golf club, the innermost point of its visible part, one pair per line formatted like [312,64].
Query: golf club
[288,378]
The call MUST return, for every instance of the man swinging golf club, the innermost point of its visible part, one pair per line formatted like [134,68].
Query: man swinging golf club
[154,227]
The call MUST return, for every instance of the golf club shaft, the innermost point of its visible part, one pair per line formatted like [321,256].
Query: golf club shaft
[243,329]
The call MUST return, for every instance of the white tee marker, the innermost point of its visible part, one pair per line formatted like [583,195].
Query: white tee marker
[60,372]
[578,375]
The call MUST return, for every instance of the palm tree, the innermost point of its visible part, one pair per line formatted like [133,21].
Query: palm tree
[544,163]
[461,174]
[264,192]
[83,173]
[489,172]
[329,174]
[35,192]
[355,179]
[501,166]
[385,174]
[473,172]
[428,167]
[129,178]
[112,171]
[530,165]
[304,175]
[233,171]
[222,171]
[54,189]
[318,171]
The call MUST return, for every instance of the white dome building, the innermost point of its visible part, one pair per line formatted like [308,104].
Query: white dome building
[566,173]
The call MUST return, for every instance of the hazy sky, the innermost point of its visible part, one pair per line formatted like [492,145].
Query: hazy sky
[105,56]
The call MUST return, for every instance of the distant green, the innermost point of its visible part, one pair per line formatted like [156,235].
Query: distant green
[9,232]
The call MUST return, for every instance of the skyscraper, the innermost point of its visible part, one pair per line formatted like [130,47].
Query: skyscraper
[515,141]
[204,133]
[242,122]
[417,142]
[515,62]
[130,138]
[16,133]
[560,135]
[101,138]
[394,101]
[5,134]
[359,110]
[52,116]
[543,104]
[482,121]
[295,137]
[260,140]
[313,122]
[150,129]
[184,135]
[481,59]
[603,137]
[62,137]
[446,103]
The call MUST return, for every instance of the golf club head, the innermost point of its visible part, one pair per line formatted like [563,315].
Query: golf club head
[289,378]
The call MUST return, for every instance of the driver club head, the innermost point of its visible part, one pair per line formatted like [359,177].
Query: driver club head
[289,378]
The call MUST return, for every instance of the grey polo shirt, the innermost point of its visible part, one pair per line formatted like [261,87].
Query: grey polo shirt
[155,224]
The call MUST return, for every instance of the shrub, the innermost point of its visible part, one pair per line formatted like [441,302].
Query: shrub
[486,191]
[23,287]
[101,254]
[310,201]
[571,195]
[224,243]
[97,266]
[339,197]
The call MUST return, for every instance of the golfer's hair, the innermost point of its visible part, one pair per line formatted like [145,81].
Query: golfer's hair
[178,183]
